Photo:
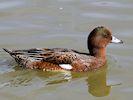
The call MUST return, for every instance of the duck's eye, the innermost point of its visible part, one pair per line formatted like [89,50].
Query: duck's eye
[105,35]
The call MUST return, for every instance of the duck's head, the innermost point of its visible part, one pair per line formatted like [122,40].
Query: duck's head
[98,39]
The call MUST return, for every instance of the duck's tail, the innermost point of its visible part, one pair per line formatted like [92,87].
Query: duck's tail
[8,51]
[20,58]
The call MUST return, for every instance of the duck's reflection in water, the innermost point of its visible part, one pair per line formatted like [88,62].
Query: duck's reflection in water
[96,80]
[97,83]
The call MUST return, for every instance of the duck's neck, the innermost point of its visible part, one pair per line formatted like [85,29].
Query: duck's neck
[98,53]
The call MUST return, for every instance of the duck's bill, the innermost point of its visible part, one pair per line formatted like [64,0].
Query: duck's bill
[115,40]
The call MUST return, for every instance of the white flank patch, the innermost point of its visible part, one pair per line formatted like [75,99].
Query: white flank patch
[65,66]
[38,48]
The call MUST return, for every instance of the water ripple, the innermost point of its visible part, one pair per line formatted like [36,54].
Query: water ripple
[5,5]
[5,69]
[112,4]
[107,16]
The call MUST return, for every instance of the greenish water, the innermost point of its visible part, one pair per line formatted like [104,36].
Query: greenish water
[65,23]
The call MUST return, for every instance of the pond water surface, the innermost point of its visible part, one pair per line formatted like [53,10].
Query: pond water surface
[65,23]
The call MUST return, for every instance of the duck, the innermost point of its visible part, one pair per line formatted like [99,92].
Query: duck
[51,59]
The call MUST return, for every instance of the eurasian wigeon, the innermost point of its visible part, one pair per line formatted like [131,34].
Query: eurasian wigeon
[68,59]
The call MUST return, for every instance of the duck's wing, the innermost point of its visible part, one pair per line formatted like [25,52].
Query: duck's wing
[55,55]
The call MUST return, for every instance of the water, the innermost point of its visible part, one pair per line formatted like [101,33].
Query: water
[65,23]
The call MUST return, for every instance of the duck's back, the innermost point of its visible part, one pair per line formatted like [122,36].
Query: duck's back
[53,59]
